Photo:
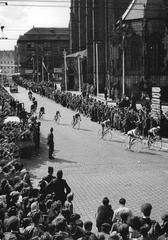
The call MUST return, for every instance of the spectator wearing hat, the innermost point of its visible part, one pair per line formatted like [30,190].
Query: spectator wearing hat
[50,143]
[89,235]
[59,187]
[104,214]
[122,208]
[134,227]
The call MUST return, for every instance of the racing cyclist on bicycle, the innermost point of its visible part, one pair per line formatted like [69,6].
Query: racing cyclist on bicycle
[57,115]
[41,112]
[153,133]
[132,136]
[30,95]
[105,126]
[76,119]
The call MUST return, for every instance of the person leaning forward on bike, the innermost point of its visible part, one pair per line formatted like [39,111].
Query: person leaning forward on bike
[132,135]
[105,125]
[76,119]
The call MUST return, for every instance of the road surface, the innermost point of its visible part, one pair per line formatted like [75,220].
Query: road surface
[95,169]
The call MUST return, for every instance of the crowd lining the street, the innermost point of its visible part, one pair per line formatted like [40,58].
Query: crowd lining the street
[124,116]
[47,212]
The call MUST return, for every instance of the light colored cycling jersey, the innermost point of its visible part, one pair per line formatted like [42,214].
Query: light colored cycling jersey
[132,132]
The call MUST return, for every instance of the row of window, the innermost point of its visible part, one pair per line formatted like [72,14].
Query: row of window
[6,67]
[7,62]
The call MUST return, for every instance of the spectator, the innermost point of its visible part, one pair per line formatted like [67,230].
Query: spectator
[104,214]
[59,187]
[68,203]
[122,208]
[50,176]
[50,144]
[89,235]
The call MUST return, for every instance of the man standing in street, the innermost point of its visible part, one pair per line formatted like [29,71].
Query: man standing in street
[50,144]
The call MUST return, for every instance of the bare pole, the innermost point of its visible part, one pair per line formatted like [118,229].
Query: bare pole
[79,73]
[123,63]
[93,36]
[97,69]
[65,70]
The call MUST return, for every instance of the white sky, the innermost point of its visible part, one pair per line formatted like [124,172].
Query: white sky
[19,19]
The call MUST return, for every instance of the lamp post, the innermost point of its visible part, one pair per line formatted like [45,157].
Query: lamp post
[79,73]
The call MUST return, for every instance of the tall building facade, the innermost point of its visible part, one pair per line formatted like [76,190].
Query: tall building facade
[110,30]
[7,64]
[91,27]
[40,53]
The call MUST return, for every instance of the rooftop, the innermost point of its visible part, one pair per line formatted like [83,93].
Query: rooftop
[150,9]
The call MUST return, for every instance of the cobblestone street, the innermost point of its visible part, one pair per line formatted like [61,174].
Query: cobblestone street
[95,168]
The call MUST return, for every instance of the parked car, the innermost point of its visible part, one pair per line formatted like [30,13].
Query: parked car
[14,89]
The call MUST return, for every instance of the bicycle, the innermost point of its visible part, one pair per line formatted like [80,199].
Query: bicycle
[57,118]
[107,135]
[137,144]
[75,123]
[155,142]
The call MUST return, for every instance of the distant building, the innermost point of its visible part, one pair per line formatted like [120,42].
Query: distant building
[40,53]
[7,64]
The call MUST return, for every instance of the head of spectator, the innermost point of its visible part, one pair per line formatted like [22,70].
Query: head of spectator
[123,231]
[105,228]
[146,209]
[122,202]
[12,211]
[12,224]
[50,171]
[105,201]
[135,223]
[59,174]
[144,230]
[70,197]
[114,236]
[124,216]
[88,226]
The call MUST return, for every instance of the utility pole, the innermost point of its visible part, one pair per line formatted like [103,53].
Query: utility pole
[123,62]
[79,73]
[97,69]
[65,70]
[79,23]
[93,37]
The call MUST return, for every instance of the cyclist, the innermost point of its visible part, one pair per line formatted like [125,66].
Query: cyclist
[30,95]
[132,136]
[105,126]
[153,132]
[41,112]
[57,116]
[35,103]
[76,119]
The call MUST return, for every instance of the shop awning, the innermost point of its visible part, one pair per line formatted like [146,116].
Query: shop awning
[80,54]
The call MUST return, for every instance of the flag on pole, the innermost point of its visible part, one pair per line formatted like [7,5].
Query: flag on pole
[44,66]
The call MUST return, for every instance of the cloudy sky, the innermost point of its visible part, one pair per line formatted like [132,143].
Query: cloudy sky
[18,18]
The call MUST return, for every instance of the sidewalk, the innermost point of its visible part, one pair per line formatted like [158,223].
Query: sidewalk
[110,102]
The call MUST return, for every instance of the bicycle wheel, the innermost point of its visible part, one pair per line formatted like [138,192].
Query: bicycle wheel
[157,144]
[99,134]
[108,136]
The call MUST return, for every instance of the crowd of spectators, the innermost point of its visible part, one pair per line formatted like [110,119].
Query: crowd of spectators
[124,116]
[47,212]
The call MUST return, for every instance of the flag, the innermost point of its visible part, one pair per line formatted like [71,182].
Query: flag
[44,66]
